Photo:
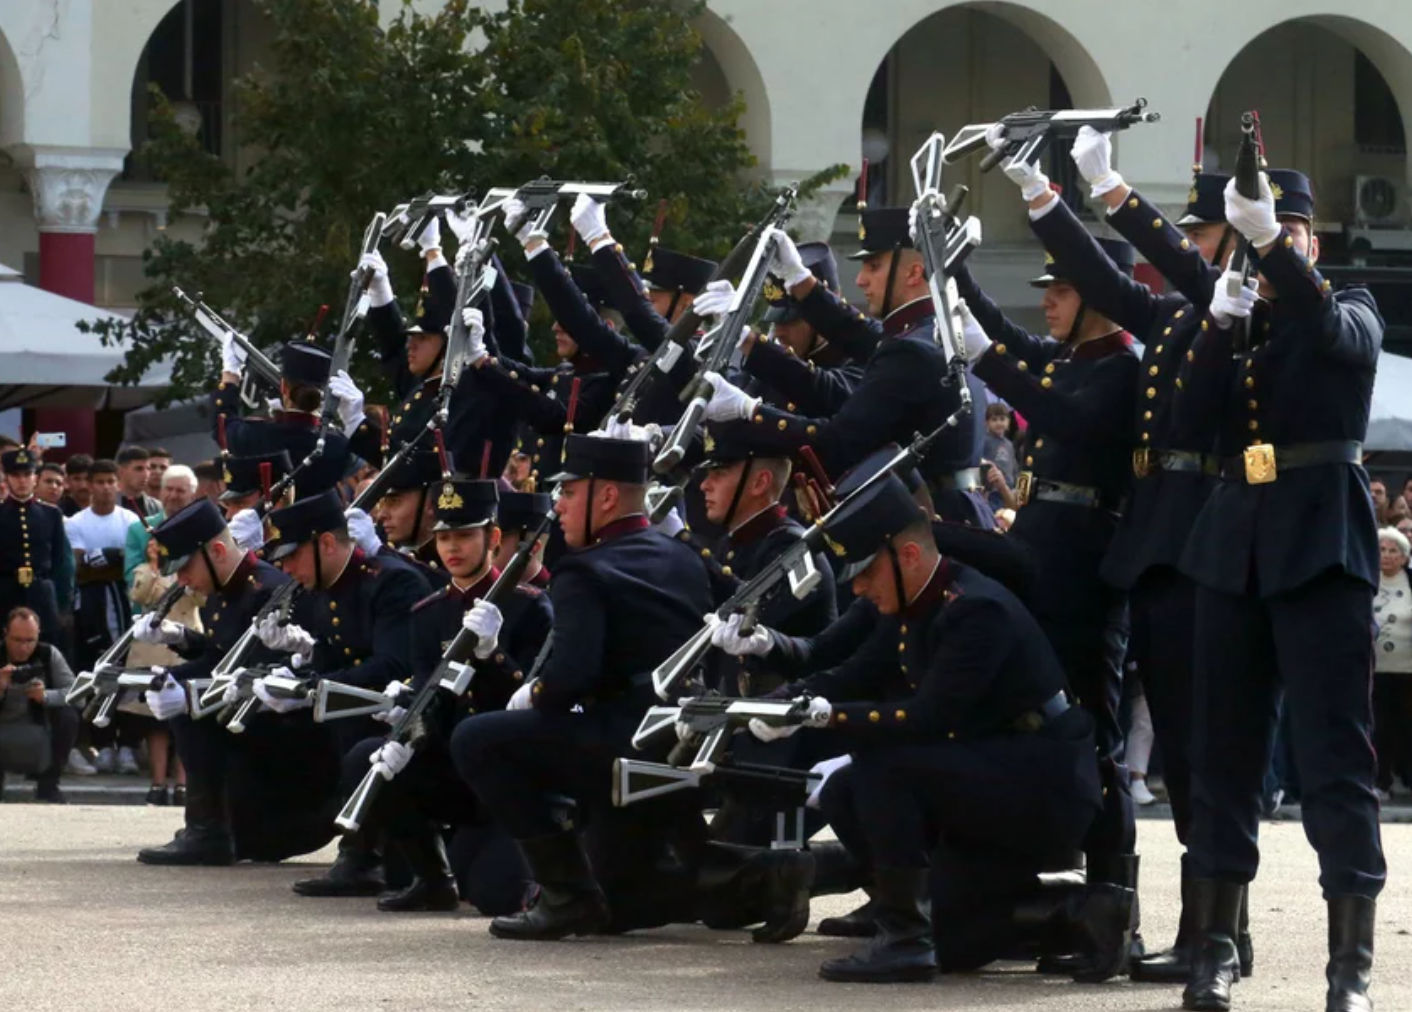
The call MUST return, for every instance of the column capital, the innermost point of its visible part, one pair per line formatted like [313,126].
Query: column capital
[68,184]
[814,217]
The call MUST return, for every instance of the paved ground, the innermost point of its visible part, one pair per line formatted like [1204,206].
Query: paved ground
[88,928]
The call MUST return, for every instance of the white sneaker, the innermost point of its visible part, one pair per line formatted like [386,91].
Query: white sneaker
[1141,795]
[127,762]
[78,764]
[105,761]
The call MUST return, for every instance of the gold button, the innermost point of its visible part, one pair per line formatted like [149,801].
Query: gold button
[1151,392]
[335,621]
[1205,324]
[514,374]
[1147,437]
[1000,349]
[1252,405]
[902,648]
[874,716]
[809,430]
[840,718]
[1289,241]
[951,734]
[1249,382]
[333,606]
[1179,382]
[347,651]
[1186,244]
[1254,425]
[1023,366]
[1049,369]
[725,570]
[1152,370]
[1132,202]
[1179,314]
[791,407]
[1158,350]
[1156,222]
[705,553]
[1039,443]
[900,715]
[1029,462]
[1147,416]
[758,419]
[500,658]
[1166,331]
[903,630]
[782,424]
[539,442]
[1327,286]
[1046,382]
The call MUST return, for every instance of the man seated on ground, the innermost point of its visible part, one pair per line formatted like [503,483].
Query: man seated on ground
[37,728]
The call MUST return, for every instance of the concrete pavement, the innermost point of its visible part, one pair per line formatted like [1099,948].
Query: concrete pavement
[86,927]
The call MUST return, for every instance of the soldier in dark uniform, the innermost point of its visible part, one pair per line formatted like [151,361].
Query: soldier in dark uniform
[624,598]
[245,482]
[955,696]
[1285,602]
[405,513]
[517,516]
[427,793]
[263,795]
[36,562]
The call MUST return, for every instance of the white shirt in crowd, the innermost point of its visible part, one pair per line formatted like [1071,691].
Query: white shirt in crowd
[88,533]
[1392,611]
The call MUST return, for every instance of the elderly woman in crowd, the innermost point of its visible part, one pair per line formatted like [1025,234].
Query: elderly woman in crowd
[1392,682]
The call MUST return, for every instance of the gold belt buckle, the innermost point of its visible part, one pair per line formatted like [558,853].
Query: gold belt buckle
[1142,461]
[1022,487]
[1260,464]
[24,576]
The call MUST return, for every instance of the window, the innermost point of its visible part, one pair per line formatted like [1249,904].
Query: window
[1377,122]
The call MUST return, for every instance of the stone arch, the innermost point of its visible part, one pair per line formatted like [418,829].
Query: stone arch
[728,56]
[12,95]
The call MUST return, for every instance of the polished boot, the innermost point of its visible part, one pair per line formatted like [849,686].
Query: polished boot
[433,887]
[1173,966]
[902,949]
[1215,965]
[836,871]
[860,922]
[205,840]
[357,871]
[1104,927]
[569,901]
[1350,953]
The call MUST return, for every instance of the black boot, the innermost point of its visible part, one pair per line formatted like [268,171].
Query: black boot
[1244,947]
[569,901]
[1104,927]
[1350,953]
[1174,965]
[357,871]
[433,886]
[205,840]
[902,949]
[1215,965]
[836,871]
[860,922]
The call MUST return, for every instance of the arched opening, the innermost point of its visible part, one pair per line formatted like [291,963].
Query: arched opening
[12,96]
[726,68]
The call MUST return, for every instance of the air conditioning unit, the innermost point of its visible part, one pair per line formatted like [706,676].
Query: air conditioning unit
[1378,200]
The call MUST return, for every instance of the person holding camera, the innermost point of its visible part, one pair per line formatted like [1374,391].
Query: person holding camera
[37,729]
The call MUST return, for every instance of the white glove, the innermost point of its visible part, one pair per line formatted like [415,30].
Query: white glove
[363,531]
[380,289]
[671,525]
[650,433]
[519,224]
[788,263]
[232,356]
[1093,155]
[588,219]
[278,703]
[288,638]
[483,620]
[1254,219]
[350,401]
[248,529]
[460,225]
[728,402]
[393,691]
[151,629]
[167,702]
[391,759]
[523,699]
[977,341]
[727,637]
[474,320]
[820,712]
[430,239]
[715,300]
[825,769]
[1226,308]
[768,732]
[912,231]
[1029,178]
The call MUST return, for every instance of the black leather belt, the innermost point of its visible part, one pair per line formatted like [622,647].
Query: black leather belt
[1261,463]
[1147,460]
[1046,713]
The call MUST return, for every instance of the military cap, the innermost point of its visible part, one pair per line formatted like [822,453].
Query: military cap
[857,531]
[671,271]
[306,363]
[821,263]
[430,316]
[625,460]
[728,442]
[464,503]
[871,465]
[242,474]
[521,511]
[302,520]
[180,535]
[1122,254]
[19,461]
[524,295]
[882,230]
[590,282]
[1294,195]
[1206,200]
[416,470]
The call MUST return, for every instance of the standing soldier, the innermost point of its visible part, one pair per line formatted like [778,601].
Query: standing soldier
[36,562]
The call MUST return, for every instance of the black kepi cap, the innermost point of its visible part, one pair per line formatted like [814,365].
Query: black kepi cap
[521,511]
[676,272]
[290,527]
[306,363]
[242,474]
[18,461]
[625,460]
[728,442]
[819,258]
[857,531]
[1122,253]
[465,503]
[1206,200]
[181,534]
[882,230]
[1294,194]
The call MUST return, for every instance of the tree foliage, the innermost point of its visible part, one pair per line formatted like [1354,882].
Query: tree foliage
[350,116]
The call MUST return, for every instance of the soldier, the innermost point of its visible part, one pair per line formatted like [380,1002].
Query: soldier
[955,713]
[406,513]
[36,561]
[624,599]
[263,795]
[1281,603]
[517,515]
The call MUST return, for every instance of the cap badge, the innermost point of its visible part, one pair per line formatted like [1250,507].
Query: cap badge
[1192,196]
[449,500]
[1277,190]
[835,547]
[772,290]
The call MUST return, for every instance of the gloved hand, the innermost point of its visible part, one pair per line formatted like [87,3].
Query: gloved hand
[1093,156]
[789,265]
[151,629]
[231,695]
[430,239]
[363,531]
[391,759]
[288,638]
[278,703]
[715,300]
[1029,178]
[728,402]
[350,401]
[825,769]
[523,699]
[393,691]
[727,637]
[1254,219]
[460,225]
[248,529]
[977,341]
[589,220]
[651,433]
[912,214]
[474,320]
[1225,308]
[380,289]
[232,356]
[671,524]
[819,713]
[519,224]
[168,701]
[483,620]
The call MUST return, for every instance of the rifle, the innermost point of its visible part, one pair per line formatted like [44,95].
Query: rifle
[259,369]
[408,221]
[233,717]
[453,674]
[227,669]
[106,691]
[724,338]
[355,308]
[541,196]
[1029,132]
[1250,159]
[795,565]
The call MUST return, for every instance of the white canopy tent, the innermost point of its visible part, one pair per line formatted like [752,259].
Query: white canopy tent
[46,361]
[1390,421]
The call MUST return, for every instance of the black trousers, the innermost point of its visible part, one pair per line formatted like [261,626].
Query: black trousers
[1317,642]
[1392,726]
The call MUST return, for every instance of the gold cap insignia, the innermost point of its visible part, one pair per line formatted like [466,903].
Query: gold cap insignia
[1277,190]
[225,476]
[449,499]
[772,290]
[862,230]
[1048,259]
[835,547]
[274,534]
[1191,196]
[709,442]
[647,264]
[162,549]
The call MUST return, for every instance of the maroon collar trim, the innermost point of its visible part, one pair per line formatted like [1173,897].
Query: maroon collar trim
[933,592]
[1101,347]
[356,563]
[621,526]
[906,317]
[475,590]
[759,525]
